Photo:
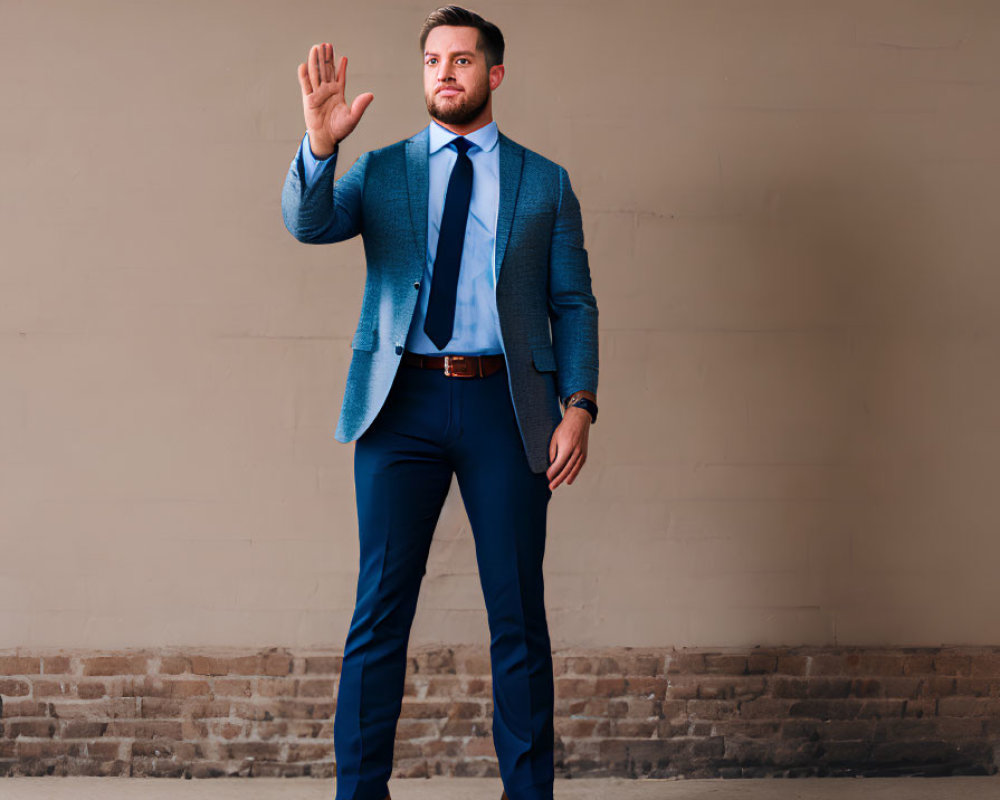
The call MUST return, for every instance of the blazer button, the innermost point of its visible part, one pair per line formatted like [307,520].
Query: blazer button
[399,349]
[416,285]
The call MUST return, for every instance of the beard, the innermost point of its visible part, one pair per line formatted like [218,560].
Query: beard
[459,112]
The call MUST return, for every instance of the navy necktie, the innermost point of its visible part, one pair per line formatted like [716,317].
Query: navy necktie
[440,317]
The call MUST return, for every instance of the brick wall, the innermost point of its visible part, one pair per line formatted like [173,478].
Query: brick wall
[620,712]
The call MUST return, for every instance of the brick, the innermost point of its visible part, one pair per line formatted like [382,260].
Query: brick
[918,663]
[313,688]
[762,663]
[916,752]
[14,688]
[908,687]
[54,689]
[825,709]
[115,665]
[244,687]
[55,665]
[953,664]
[20,665]
[846,752]
[49,748]
[683,688]
[437,661]
[765,708]
[647,685]
[174,665]
[722,687]
[92,690]
[921,707]
[725,664]
[711,709]
[148,729]
[975,687]
[792,665]
[323,665]
[576,687]
[753,729]
[969,707]
[641,707]
[635,728]
[609,687]
[686,663]
[839,730]
[985,665]
[472,662]
[881,708]
[254,750]
[829,687]
[82,729]
[780,686]
[14,729]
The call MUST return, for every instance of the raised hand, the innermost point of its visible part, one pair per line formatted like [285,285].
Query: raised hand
[328,117]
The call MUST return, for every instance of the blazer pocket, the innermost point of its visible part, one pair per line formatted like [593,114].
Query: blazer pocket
[363,340]
[544,358]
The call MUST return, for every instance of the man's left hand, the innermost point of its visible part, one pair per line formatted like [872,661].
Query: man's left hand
[568,448]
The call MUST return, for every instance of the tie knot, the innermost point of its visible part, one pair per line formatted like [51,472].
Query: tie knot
[461,143]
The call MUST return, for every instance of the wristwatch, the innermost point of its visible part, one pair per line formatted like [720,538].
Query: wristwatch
[589,405]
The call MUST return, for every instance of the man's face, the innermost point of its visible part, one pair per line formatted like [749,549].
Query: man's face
[456,81]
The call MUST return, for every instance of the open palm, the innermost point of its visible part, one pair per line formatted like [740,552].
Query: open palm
[329,119]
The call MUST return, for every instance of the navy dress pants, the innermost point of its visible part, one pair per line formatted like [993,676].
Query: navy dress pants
[431,426]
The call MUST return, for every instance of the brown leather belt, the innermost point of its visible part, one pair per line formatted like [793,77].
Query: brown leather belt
[457,366]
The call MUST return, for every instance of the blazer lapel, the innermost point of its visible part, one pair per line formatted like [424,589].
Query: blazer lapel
[417,182]
[418,187]
[511,161]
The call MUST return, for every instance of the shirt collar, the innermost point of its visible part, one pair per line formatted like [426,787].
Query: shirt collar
[485,137]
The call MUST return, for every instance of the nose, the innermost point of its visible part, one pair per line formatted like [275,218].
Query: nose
[444,72]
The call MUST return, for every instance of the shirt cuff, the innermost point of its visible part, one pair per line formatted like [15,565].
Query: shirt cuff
[314,166]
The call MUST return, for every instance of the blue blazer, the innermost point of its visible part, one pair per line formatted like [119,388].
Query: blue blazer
[547,311]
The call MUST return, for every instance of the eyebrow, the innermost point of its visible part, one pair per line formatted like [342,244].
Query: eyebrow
[459,53]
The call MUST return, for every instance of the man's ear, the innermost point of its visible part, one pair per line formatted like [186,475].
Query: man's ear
[496,76]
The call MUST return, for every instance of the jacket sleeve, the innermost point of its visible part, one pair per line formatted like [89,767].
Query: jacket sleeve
[571,302]
[323,211]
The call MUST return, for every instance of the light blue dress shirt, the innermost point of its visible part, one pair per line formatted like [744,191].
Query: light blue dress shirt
[477,324]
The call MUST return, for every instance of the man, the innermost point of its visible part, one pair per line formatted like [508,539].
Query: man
[475,248]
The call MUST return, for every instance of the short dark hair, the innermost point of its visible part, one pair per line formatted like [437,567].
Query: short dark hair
[490,38]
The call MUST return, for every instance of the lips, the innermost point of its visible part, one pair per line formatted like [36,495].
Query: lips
[449,92]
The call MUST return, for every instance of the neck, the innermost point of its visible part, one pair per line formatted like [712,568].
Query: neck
[481,121]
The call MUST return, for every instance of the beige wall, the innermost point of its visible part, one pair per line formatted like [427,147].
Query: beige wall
[791,211]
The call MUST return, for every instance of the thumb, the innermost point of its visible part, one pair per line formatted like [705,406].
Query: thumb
[361,102]
[553,449]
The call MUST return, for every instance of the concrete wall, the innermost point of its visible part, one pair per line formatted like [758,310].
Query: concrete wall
[791,214]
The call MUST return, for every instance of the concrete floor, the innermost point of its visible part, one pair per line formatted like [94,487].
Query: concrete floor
[964,788]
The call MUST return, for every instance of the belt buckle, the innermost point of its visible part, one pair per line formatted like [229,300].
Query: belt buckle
[465,368]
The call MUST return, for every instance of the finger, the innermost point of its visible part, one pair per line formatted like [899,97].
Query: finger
[314,67]
[341,73]
[559,468]
[559,459]
[327,64]
[570,470]
[576,470]
[333,64]
[570,463]
[304,79]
